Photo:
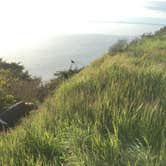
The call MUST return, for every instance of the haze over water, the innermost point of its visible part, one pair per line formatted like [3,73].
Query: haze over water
[44,35]
[49,55]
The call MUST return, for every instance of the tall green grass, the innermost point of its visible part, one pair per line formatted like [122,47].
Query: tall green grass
[111,113]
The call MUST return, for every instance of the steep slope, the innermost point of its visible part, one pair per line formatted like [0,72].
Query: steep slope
[111,113]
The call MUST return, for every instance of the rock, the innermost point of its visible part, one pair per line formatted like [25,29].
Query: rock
[2,122]
[3,125]
[17,111]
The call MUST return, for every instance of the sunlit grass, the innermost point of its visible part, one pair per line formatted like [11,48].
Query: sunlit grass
[111,113]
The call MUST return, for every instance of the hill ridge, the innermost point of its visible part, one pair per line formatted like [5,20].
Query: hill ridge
[110,113]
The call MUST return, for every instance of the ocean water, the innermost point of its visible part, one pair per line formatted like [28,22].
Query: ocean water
[56,53]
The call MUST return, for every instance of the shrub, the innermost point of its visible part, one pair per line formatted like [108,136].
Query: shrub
[120,46]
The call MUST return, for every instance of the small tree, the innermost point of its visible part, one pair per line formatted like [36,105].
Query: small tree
[120,46]
[60,77]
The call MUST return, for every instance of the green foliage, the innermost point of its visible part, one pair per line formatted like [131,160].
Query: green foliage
[17,85]
[61,76]
[16,70]
[6,100]
[111,113]
[120,46]
[148,44]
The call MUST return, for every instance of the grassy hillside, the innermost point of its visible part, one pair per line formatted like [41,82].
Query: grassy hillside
[111,113]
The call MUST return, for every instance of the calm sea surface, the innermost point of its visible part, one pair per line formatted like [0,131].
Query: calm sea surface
[55,54]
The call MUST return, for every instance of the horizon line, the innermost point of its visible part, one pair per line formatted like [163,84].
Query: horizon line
[126,22]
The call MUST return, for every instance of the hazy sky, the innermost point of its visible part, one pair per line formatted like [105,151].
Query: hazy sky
[24,22]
